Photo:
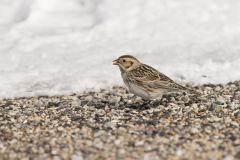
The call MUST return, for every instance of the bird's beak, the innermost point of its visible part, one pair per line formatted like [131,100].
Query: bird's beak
[115,62]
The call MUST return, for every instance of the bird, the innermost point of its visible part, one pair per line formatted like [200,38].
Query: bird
[144,80]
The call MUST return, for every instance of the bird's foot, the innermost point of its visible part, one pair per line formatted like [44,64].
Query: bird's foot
[150,103]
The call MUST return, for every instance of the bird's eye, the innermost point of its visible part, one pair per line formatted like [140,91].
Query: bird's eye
[124,60]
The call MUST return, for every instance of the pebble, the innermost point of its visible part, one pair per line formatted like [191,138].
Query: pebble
[111,122]
[194,130]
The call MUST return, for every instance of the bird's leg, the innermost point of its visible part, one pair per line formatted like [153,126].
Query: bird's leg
[145,103]
[150,103]
[155,102]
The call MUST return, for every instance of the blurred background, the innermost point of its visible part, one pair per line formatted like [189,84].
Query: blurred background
[64,46]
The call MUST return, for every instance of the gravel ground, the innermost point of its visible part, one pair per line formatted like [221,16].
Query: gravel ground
[113,124]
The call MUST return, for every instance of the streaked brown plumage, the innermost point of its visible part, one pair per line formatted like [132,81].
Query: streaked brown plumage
[144,80]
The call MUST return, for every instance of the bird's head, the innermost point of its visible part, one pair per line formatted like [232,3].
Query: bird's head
[126,63]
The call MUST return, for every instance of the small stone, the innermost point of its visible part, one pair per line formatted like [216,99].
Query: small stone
[220,100]
[13,113]
[88,98]
[234,123]
[218,88]
[117,142]
[139,143]
[60,128]
[98,143]
[78,156]
[111,124]
[54,152]
[214,119]
[194,130]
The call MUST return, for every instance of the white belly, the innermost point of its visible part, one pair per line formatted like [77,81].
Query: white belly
[141,92]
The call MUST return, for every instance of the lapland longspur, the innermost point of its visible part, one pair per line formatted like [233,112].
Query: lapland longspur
[145,81]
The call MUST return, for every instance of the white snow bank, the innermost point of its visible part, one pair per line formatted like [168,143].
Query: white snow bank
[64,46]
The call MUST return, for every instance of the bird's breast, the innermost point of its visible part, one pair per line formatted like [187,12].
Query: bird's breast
[125,80]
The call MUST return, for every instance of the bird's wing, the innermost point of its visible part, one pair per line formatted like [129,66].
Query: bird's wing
[150,78]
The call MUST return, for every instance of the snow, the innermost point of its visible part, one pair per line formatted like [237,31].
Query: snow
[52,47]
